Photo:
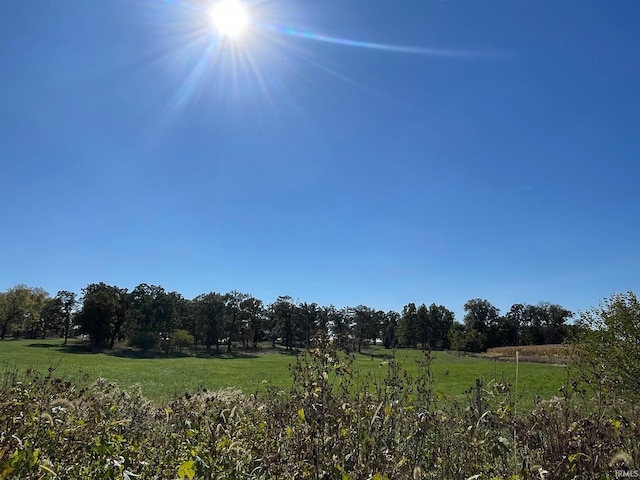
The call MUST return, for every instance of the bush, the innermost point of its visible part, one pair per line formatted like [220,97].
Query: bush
[606,350]
[182,339]
[145,341]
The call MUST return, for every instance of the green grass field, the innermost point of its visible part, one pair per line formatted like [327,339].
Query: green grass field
[161,378]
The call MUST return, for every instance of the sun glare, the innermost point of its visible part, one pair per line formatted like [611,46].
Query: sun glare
[229,17]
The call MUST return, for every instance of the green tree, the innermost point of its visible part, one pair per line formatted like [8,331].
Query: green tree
[504,330]
[51,317]
[440,321]
[282,313]
[479,316]
[342,328]
[607,345]
[433,324]
[306,323]
[68,302]
[235,316]
[208,312]
[366,325]
[144,340]
[253,320]
[424,327]
[103,314]
[531,326]
[555,322]
[457,337]
[408,327]
[20,308]
[542,323]
[34,324]
[181,339]
[154,311]
[463,340]
[325,318]
[390,323]
[515,317]
[56,315]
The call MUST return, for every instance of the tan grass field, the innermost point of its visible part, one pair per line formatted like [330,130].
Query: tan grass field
[555,353]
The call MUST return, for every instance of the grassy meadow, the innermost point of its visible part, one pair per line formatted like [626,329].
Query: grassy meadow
[162,377]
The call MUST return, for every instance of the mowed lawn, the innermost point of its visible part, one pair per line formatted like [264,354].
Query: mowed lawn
[161,378]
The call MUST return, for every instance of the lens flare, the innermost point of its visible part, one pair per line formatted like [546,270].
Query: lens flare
[229,17]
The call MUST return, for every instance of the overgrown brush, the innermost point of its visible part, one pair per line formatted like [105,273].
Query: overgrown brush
[392,426]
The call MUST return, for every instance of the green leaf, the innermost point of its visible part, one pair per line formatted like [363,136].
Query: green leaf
[187,470]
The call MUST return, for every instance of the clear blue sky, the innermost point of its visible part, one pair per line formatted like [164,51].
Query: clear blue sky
[498,157]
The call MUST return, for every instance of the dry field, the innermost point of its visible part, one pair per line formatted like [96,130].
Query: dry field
[556,353]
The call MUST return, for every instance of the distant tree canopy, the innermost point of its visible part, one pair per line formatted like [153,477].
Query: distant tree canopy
[150,317]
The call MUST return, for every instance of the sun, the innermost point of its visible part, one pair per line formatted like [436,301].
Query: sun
[229,17]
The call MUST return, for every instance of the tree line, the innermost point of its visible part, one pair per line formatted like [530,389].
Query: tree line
[149,317]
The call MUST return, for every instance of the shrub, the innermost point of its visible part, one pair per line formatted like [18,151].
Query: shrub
[607,346]
[182,339]
[143,340]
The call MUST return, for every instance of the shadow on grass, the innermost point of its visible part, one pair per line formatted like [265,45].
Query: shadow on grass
[225,355]
[292,353]
[156,355]
[122,351]
[72,348]
[386,355]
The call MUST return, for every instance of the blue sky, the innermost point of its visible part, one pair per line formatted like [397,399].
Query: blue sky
[498,157]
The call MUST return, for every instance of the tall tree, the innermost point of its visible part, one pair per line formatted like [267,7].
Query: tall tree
[379,319]
[103,314]
[254,319]
[209,311]
[156,313]
[306,322]
[33,323]
[366,325]
[68,302]
[440,321]
[325,319]
[531,325]
[424,326]
[152,309]
[515,318]
[342,328]
[283,313]
[51,317]
[408,328]
[543,323]
[555,324]
[504,330]
[389,328]
[234,316]
[19,307]
[479,316]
